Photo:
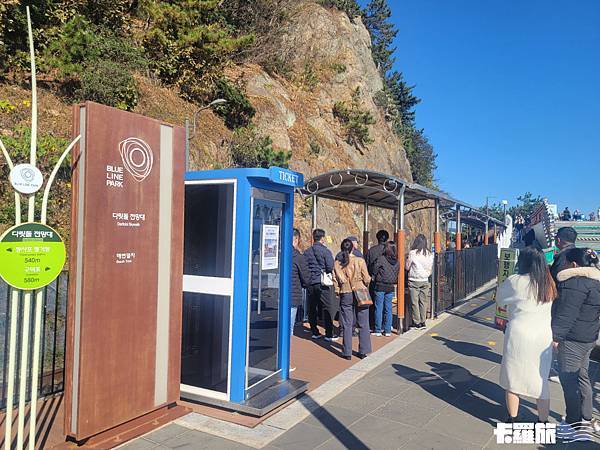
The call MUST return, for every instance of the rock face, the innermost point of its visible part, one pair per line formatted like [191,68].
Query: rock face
[329,57]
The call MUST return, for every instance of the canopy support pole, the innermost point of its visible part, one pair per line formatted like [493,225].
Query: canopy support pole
[437,239]
[366,229]
[315,204]
[458,229]
[400,243]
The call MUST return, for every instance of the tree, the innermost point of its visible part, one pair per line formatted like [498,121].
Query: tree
[376,18]
[526,206]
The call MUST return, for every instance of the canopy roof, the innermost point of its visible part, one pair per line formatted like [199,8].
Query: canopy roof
[377,189]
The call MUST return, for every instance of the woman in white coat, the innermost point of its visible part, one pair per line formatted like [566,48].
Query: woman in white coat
[527,355]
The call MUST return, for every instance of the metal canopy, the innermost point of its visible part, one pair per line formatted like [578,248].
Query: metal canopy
[375,189]
[471,217]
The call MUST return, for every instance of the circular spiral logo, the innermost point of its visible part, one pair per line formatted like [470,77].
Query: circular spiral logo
[137,157]
[27,174]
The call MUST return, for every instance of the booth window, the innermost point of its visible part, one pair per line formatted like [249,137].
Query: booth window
[205,341]
[208,230]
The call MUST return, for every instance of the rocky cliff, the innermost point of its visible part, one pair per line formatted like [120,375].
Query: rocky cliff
[327,57]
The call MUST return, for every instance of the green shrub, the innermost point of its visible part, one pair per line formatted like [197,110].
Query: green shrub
[188,43]
[95,65]
[315,148]
[338,68]
[238,111]
[355,121]
[249,148]
[350,7]
[308,79]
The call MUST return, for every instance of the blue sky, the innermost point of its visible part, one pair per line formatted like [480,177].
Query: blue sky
[510,95]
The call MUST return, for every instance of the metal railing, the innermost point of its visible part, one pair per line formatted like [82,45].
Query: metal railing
[52,352]
[459,274]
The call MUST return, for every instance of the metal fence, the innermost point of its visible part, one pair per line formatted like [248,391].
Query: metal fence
[459,274]
[52,352]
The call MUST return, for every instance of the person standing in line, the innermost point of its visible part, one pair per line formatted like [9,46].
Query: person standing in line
[564,241]
[371,258]
[355,249]
[386,271]
[575,327]
[419,264]
[320,264]
[566,214]
[349,274]
[527,356]
[376,251]
[300,280]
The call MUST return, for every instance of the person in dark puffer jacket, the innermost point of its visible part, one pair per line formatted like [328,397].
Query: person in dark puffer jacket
[575,327]
[386,270]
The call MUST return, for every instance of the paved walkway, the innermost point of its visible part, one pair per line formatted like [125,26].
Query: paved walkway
[438,392]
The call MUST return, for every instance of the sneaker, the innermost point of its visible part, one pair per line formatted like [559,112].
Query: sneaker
[332,339]
[292,369]
[316,336]
[362,355]
[376,334]
[423,326]
[347,357]
[386,334]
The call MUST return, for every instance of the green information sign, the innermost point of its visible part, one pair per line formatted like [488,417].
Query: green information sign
[32,255]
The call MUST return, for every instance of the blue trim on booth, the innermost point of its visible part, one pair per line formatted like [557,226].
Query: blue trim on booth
[273,179]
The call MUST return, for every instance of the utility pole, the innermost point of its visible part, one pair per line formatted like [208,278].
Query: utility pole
[487,204]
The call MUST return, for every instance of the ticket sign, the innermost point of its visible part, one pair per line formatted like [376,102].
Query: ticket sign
[32,255]
[508,261]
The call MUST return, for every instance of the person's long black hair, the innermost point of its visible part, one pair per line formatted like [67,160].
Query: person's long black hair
[346,247]
[532,262]
[420,244]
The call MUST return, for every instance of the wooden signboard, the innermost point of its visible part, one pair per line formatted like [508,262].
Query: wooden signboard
[124,318]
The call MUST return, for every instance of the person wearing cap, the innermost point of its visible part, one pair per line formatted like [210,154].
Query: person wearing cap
[355,251]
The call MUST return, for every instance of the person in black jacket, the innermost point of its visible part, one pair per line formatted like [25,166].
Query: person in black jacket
[320,262]
[575,327]
[565,241]
[300,280]
[386,270]
[376,251]
[371,257]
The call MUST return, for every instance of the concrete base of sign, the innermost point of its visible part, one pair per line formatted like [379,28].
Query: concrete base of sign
[262,403]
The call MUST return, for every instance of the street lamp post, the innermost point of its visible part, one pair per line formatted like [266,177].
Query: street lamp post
[504,203]
[188,136]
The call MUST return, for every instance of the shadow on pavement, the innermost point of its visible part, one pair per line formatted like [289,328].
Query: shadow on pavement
[339,430]
[470,349]
[465,391]
[471,315]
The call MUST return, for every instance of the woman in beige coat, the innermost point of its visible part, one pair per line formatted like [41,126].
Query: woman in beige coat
[350,272]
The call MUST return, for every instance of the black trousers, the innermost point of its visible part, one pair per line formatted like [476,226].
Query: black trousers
[318,294]
[573,364]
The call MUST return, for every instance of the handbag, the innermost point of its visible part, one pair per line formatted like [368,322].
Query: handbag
[326,279]
[362,297]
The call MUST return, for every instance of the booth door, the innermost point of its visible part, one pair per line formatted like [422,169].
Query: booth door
[263,367]
[207,289]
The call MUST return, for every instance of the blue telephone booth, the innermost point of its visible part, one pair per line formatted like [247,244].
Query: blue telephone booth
[237,288]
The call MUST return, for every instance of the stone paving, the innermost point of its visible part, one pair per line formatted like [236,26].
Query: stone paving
[439,392]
